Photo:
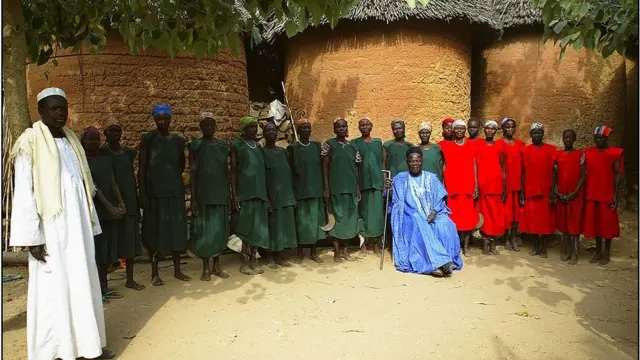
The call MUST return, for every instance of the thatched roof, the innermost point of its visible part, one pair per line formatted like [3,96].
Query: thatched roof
[477,12]
[513,13]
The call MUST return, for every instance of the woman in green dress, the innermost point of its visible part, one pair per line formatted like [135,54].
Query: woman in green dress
[340,162]
[396,149]
[249,201]
[164,222]
[306,166]
[109,208]
[432,160]
[372,205]
[122,157]
[209,180]
[282,221]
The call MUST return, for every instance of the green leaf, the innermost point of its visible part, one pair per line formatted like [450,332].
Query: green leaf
[424,2]
[199,49]
[559,26]
[565,40]
[577,45]
[547,12]
[411,3]
[291,28]
[562,50]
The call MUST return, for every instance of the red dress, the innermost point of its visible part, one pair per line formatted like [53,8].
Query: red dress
[491,186]
[599,218]
[459,180]
[569,215]
[538,218]
[513,167]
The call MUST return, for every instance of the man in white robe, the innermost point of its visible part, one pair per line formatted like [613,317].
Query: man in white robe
[54,216]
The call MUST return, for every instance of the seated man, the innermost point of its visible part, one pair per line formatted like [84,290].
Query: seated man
[425,240]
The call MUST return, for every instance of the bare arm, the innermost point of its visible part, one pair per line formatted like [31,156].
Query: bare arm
[476,192]
[583,177]
[181,155]
[616,183]
[385,156]
[192,181]
[142,174]
[325,176]
[116,193]
[554,185]
[504,178]
[523,174]
[103,199]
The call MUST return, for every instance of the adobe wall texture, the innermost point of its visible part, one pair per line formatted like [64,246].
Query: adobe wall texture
[117,86]
[630,140]
[523,78]
[416,71]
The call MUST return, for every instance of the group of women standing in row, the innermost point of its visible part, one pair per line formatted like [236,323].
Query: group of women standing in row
[278,198]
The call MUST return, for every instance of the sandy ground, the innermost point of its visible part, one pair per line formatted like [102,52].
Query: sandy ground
[511,306]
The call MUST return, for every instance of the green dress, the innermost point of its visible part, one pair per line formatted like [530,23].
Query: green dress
[432,160]
[106,243]
[282,221]
[397,156]
[210,229]
[251,223]
[129,245]
[371,185]
[343,187]
[307,186]
[164,222]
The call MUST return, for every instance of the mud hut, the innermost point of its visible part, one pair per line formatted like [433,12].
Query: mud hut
[118,86]
[522,77]
[384,61]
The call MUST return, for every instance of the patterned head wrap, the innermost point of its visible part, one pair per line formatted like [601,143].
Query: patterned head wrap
[447,121]
[603,130]
[504,121]
[302,121]
[424,126]
[338,119]
[246,121]
[459,122]
[363,119]
[397,121]
[88,130]
[161,109]
[537,126]
[491,124]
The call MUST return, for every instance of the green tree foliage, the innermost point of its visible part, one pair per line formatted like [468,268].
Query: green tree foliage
[606,26]
[203,27]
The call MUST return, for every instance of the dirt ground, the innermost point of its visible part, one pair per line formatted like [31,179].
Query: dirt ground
[511,306]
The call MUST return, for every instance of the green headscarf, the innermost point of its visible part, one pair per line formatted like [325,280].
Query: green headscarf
[246,121]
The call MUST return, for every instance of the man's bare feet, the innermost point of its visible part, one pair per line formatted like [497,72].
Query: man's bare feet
[345,255]
[134,285]
[156,281]
[337,258]
[206,276]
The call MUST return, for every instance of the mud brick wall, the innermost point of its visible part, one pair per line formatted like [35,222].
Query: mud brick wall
[116,86]
[412,70]
[523,78]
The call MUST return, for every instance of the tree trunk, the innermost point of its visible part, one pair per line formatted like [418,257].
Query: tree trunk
[14,58]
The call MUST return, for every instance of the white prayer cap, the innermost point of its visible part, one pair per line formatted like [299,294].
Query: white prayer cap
[459,122]
[424,126]
[51,92]
[536,126]
[491,124]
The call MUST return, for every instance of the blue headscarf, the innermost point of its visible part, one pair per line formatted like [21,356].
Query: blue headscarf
[161,109]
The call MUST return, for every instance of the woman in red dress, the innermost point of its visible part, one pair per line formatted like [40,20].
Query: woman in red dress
[461,182]
[538,196]
[492,184]
[604,166]
[513,166]
[570,170]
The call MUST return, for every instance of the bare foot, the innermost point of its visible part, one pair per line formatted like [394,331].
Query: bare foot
[219,273]
[596,257]
[544,255]
[605,260]
[245,269]
[180,276]
[345,255]
[465,251]
[518,241]
[507,246]
[156,281]
[206,276]
[282,263]
[257,268]
[272,265]
[134,285]
[363,251]
[337,258]
[315,258]
[573,261]
[299,259]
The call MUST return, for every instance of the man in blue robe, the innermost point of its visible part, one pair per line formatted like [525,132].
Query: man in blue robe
[425,240]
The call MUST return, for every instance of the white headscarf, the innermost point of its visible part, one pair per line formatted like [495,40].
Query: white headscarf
[459,122]
[491,124]
[537,126]
[424,126]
